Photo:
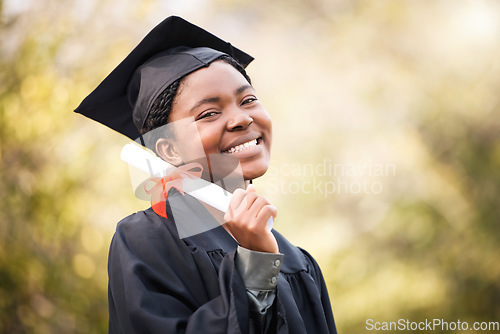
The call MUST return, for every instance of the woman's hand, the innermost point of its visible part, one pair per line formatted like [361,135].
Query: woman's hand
[247,218]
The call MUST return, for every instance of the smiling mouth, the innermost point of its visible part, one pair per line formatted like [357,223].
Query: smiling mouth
[244,146]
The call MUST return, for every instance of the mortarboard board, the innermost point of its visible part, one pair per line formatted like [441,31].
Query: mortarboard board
[173,49]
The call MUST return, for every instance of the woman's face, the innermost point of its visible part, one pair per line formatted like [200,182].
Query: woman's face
[229,118]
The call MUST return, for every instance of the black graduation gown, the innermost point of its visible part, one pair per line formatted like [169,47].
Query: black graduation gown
[159,283]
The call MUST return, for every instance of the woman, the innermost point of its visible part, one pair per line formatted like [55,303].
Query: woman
[239,277]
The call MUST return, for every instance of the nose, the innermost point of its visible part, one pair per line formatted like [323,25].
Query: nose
[238,120]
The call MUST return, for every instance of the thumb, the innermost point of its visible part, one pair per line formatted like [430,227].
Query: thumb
[251,188]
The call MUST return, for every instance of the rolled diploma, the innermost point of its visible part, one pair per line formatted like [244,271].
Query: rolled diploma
[199,188]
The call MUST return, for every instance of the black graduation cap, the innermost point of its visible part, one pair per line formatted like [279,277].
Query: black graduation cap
[171,50]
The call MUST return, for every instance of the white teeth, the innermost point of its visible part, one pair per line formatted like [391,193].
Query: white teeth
[243,146]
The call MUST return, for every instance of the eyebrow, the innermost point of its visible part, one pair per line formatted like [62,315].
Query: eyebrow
[242,89]
[217,99]
[202,102]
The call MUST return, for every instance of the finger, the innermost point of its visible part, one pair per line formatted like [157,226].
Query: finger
[236,201]
[267,212]
[249,200]
[229,215]
[238,196]
[257,206]
[244,205]
[251,188]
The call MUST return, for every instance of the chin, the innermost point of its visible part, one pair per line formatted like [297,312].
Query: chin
[253,172]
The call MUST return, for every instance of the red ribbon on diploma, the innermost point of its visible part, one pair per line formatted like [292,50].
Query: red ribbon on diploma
[162,185]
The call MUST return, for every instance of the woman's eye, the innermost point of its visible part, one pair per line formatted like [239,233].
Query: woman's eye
[249,100]
[207,114]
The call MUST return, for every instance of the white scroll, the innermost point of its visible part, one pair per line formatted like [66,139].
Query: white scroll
[207,192]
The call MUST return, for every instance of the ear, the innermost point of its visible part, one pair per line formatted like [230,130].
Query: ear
[167,150]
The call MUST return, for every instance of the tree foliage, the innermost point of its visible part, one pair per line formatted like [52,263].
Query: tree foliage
[359,83]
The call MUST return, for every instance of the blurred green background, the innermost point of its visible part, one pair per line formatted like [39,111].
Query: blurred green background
[397,100]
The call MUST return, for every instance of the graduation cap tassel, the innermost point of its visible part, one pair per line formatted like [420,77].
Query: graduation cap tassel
[142,140]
